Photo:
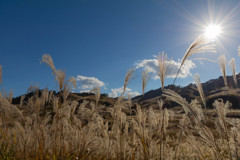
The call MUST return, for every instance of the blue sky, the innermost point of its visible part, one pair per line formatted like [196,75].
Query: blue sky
[98,41]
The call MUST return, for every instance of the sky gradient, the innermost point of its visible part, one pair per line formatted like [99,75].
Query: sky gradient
[98,41]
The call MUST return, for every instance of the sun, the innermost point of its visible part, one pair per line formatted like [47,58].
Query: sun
[212,32]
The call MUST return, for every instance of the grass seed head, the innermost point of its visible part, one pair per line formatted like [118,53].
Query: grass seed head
[222,65]
[199,87]
[145,78]
[163,66]
[200,44]
[47,59]
[232,65]
[129,77]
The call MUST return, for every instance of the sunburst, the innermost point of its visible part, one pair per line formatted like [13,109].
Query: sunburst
[212,32]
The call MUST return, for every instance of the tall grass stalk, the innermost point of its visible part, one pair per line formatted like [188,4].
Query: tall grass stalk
[200,44]
[21,101]
[222,109]
[97,93]
[47,59]
[200,89]
[145,78]
[73,82]
[233,69]
[222,65]
[163,66]
[129,77]
[60,76]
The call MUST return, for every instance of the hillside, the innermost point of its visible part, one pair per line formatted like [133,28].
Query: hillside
[213,89]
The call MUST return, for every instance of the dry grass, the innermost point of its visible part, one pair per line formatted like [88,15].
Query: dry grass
[164,66]
[51,126]
[233,69]
[222,65]
[199,87]
[129,77]
[200,44]
[145,78]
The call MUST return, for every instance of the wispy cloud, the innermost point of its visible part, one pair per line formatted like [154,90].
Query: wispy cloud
[85,91]
[85,84]
[151,65]
[117,91]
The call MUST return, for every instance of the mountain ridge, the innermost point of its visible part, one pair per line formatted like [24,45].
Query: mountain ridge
[213,89]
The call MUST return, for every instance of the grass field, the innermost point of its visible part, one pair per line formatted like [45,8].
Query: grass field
[65,126]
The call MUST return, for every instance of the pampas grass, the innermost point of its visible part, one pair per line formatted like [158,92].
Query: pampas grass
[72,82]
[60,77]
[58,74]
[199,87]
[200,44]
[46,126]
[163,66]
[64,85]
[47,59]
[97,93]
[233,69]
[129,77]
[222,65]
[21,101]
[145,78]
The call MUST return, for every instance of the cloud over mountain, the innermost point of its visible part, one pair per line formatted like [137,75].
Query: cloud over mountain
[85,84]
[118,91]
[151,65]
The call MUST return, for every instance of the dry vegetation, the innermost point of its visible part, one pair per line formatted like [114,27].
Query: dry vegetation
[51,126]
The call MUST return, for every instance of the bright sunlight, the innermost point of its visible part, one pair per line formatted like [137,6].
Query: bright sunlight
[212,32]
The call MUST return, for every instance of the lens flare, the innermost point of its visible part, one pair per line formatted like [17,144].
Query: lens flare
[212,32]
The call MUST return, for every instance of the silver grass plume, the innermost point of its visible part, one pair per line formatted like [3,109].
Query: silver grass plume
[44,96]
[50,96]
[65,94]
[160,104]
[72,82]
[128,78]
[200,44]
[97,92]
[21,100]
[10,96]
[191,108]
[165,120]
[58,74]
[199,87]
[33,88]
[222,109]
[152,119]
[163,65]
[232,65]
[145,78]
[60,77]
[47,59]
[222,65]
[8,109]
